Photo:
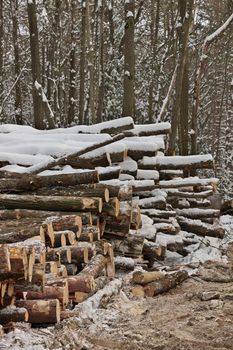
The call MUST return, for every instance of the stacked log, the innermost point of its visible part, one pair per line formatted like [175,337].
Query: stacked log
[122,197]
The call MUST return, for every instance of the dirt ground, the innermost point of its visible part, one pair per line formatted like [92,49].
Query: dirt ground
[176,320]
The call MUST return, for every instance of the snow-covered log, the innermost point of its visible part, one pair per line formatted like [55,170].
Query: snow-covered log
[200,228]
[177,162]
[149,129]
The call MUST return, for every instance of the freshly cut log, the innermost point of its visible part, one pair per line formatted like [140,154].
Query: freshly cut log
[13,314]
[89,234]
[111,208]
[95,267]
[197,213]
[149,129]
[50,203]
[81,283]
[138,292]
[41,311]
[63,238]
[153,251]
[64,253]
[66,222]
[51,292]
[108,173]
[166,283]
[18,263]
[5,265]
[38,168]
[29,182]
[112,189]
[200,228]
[144,277]
[187,182]
[79,255]
[178,162]
[120,225]
[131,246]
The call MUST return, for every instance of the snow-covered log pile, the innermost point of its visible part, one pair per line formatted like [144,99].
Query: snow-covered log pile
[73,198]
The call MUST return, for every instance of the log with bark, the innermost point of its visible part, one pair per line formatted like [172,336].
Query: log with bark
[166,283]
[149,129]
[144,277]
[50,203]
[13,314]
[187,182]
[41,311]
[198,213]
[29,182]
[200,228]
[131,246]
[177,162]
[153,251]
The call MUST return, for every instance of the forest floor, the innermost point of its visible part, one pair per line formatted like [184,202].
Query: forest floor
[176,320]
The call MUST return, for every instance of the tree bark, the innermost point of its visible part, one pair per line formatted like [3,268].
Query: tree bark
[129,60]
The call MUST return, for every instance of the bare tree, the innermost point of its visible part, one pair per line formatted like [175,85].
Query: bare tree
[129,60]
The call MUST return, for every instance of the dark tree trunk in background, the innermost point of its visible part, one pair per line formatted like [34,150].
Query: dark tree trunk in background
[72,93]
[18,99]
[129,63]
[35,62]
[82,63]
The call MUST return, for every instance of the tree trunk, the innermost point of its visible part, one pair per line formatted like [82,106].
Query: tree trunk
[18,98]
[72,90]
[35,62]
[129,60]
[82,62]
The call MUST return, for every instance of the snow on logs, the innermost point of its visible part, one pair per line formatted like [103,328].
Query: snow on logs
[177,162]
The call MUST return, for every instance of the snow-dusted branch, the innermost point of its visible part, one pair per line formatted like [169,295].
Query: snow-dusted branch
[165,101]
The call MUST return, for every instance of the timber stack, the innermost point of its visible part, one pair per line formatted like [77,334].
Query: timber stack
[71,215]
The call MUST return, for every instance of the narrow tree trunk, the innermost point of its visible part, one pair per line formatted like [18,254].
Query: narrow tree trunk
[72,91]
[129,63]
[82,63]
[18,98]
[35,62]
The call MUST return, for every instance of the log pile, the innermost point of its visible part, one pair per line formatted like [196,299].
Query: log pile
[65,218]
